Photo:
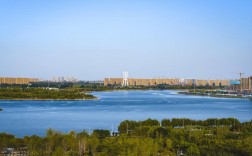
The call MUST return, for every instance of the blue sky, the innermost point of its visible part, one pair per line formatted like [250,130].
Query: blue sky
[94,39]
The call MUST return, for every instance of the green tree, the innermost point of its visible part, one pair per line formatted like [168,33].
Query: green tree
[59,152]
[193,150]
[101,134]
[166,122]
[160,132]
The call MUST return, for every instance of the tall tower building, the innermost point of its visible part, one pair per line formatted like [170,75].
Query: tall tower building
[125,79]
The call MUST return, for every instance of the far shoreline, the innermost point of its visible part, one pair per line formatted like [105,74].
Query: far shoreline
[178,91]
[24,99]
[181,92]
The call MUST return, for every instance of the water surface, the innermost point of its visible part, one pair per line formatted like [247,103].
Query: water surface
[35,117]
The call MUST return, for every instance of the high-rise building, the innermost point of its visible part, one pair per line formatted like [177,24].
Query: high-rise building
[245,84]
[65,79]
[250,83]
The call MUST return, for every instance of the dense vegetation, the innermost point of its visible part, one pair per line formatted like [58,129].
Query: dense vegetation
[218,137]
[98,86]
[43,93]
[213,93]
[163,87]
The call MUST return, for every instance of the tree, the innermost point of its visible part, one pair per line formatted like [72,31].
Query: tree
[59,152]
[128,126]
[160,132]
[101,134]
[193,150]
[166,122]
[5,140]
[150,122]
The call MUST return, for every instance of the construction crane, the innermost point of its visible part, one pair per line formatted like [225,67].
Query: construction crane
[241,75]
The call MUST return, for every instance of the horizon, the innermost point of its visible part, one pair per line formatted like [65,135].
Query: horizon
[67,78]
[93,40]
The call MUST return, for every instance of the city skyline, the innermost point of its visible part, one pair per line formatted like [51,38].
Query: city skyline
[92,40]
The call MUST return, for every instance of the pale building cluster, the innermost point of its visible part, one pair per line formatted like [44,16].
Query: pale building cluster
[244,84]
[19,80]
[168,81]
[65,79]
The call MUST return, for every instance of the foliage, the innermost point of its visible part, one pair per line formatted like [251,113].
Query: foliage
[99,86]
[145,138]
[43,93]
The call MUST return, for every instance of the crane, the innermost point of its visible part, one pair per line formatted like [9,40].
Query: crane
[240,73]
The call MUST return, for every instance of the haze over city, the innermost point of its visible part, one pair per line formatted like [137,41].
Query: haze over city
[97,39]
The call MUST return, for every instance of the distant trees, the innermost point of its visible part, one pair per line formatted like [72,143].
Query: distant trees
[43,93]
[99,86]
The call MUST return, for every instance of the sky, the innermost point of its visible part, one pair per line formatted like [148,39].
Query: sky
[94,39]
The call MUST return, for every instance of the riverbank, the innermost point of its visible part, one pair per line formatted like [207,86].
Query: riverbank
[44,94]
[215,94]
[26,99]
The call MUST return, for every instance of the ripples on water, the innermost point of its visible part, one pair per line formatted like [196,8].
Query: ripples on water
[34,117]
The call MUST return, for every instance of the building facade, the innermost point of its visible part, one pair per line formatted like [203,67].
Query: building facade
[250,83]
[246,84]
[168,81]
[11,80]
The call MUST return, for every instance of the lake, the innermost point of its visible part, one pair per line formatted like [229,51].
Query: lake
[35,117]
